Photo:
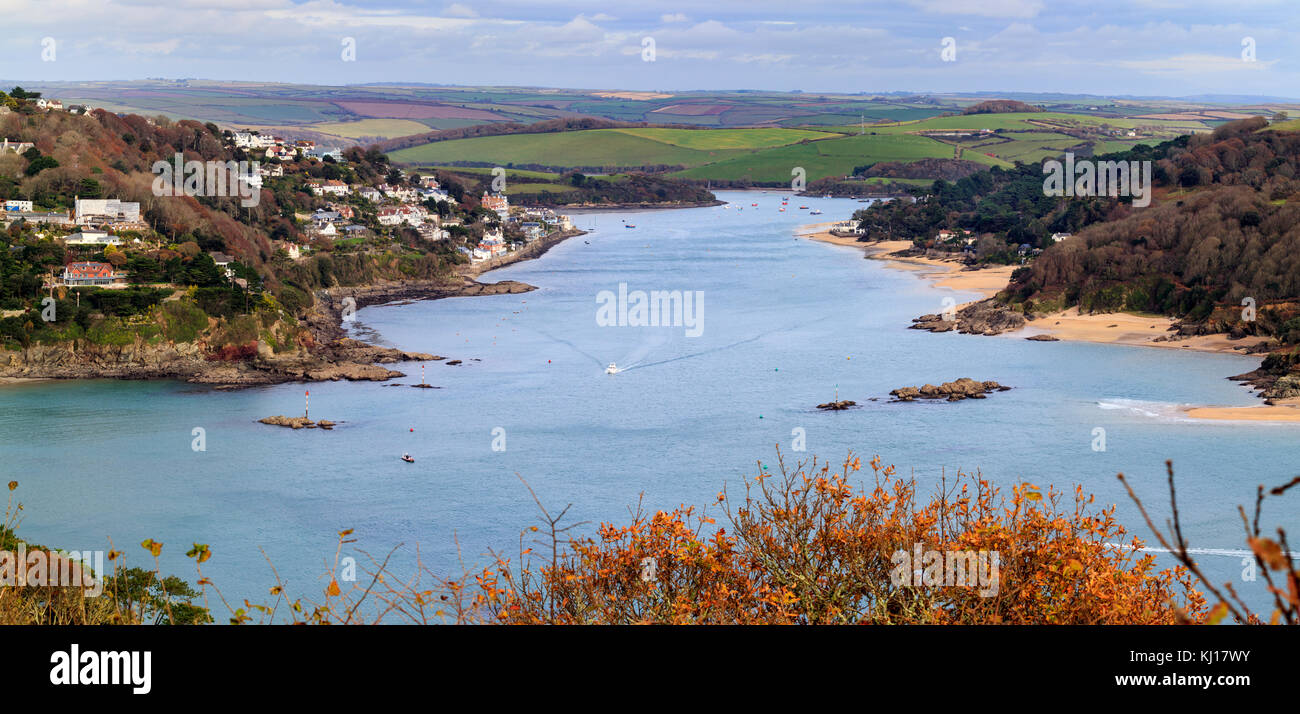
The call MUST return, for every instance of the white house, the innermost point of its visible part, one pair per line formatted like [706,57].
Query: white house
[18,206]
[106,210]
[17,147]
[253,140]
[282,153]
[332,187]
[92,238]
[395,215]
[846,228]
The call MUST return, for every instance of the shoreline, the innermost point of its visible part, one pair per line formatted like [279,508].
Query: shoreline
[533,250]
[1120,328]
[335,357]
[583,208]
[943,273]
[1281,410]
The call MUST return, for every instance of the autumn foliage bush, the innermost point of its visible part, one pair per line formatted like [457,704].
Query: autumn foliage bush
[808,544]
[805,545]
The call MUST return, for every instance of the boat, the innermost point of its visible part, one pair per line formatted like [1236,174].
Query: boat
[408,458]
[814,213]
[611,369]
[630,225]
[803,208]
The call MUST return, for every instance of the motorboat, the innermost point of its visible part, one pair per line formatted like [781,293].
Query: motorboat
[611,369]
[408,458]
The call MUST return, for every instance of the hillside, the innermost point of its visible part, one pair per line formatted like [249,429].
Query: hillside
[171,309]
[1220,236]
[766,156]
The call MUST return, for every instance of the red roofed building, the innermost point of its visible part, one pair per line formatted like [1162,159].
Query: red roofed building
[90,274]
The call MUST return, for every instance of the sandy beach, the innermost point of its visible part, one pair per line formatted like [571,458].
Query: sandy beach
[1279,410]
[1123,328]
[945,273]
[1120,328]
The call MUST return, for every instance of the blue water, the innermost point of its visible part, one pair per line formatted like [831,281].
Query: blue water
[786,322]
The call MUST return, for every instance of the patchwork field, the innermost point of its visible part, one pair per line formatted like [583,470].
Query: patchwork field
[820,159]
[723,135]
[371,127]
[592,148]
[768,155]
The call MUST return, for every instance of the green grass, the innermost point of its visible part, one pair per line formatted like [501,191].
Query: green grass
[1288,125]
[487,171]
[714,139]
[767,155]
[830,157]
[1027,121]
[599,147]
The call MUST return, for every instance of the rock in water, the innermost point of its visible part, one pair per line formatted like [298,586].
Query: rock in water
[837,406]
[986,317]
[955,391]
[297,422]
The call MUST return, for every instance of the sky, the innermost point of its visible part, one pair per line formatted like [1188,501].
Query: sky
[1131,47]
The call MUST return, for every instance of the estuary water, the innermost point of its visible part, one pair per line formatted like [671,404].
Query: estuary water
[787,323]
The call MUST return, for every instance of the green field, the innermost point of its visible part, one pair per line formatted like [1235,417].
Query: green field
[1288,125]
[769,154]
[1033,121]
[715,139]
[819,159]
[598,147]
[521,174]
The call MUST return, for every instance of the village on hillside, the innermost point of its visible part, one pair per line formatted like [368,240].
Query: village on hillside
[102,236]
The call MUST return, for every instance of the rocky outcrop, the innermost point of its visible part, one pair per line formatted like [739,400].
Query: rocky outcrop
[301,422]
[837,406]
[1043,338]
[81,359]
[955,391]
[987,317]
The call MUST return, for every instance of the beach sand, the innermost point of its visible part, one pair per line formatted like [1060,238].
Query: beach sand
[1280,410]
[945,273]
[1123,328]
[1119,328]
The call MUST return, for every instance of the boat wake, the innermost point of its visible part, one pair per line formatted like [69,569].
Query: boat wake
[1164,411]
[1226,552]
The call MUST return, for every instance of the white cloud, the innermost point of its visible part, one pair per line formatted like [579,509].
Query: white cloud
[457,10]
[1194,64]
[983,8]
